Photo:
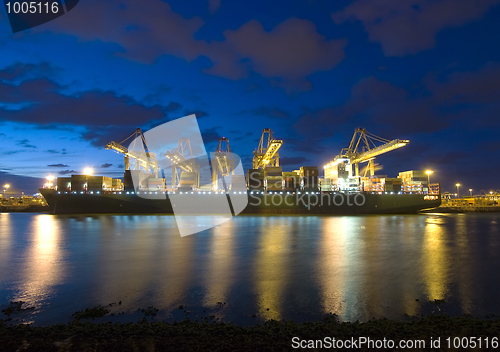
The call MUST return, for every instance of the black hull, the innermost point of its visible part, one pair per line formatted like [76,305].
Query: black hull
[304,204]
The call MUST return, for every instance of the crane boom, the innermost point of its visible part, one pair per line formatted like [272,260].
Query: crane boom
[143,158]
[387,147]
[369,148]
[267,153]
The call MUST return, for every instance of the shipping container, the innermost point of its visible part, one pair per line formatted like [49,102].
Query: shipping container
[309,171]
[274,183]
[273,171]
[64,184]
[255,179]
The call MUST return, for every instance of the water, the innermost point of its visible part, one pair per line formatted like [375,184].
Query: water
[273,267]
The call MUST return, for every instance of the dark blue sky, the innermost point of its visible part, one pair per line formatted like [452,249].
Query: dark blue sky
[313,71]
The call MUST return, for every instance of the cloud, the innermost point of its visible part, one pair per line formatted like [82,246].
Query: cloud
[211,135]
[105,113]
[268,111]
[12,152]
[478,87]
[105,166]
[68,172]
[54,151]
[408,27]
[387,108]
[213,5]
[199,113]
[90,108]
[149,29]
[58,165]
[291,51]
[19,72]
[25,143]
[173,107]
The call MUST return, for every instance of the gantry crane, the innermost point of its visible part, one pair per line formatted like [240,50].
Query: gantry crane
[369,149]
[223,163]
[267,152]
[139,153]
[182,158]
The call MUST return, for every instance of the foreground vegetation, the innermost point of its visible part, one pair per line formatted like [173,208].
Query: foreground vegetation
[206,336]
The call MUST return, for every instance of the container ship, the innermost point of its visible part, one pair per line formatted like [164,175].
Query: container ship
[265,189]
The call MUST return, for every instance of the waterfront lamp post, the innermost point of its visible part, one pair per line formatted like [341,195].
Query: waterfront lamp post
[428,172]
[470,191]
[50,178]
[5,188]
[458,190]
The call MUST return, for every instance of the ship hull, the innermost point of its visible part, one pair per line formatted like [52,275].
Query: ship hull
[300,204]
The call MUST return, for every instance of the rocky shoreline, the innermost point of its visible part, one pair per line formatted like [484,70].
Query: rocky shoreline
[272,335]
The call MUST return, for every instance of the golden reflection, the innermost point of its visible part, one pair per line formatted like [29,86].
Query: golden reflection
[465,278]
[221,264]
[271,271]
[124,259]
[409,259]
[178,259]
[43,260]
[334,263]
[5,243]
[435,264]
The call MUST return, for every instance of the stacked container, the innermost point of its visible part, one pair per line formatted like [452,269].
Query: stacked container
[291,181]
[309,178]
[117,185]
[187,181]
[255,179]
[273,179]
[64,184]
[414,181]
[156,184]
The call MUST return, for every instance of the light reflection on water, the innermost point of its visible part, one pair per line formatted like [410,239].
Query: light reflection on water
[273,267]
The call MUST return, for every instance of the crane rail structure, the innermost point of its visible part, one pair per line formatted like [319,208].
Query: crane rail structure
[182,158]
[266,153]
[364,148]
[222,164]
[143,158]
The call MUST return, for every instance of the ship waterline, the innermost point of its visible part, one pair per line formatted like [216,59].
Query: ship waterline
[303,203]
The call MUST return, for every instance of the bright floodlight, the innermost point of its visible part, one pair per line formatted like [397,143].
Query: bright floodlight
[428,172]
[50,178]
[6,186]
[88,171]
[458,185]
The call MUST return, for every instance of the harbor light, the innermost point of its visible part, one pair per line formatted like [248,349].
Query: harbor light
[88,171]
[470,191]
[428,172]
[5,188]
[458,190]
[49,184]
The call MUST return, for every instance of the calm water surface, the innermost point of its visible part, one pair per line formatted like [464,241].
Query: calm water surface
[273,267]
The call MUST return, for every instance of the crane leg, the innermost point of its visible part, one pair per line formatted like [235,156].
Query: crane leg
[356,169]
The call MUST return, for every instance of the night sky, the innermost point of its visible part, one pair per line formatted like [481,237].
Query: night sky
[313,71]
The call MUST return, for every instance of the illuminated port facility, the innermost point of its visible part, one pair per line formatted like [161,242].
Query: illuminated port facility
[350,172]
